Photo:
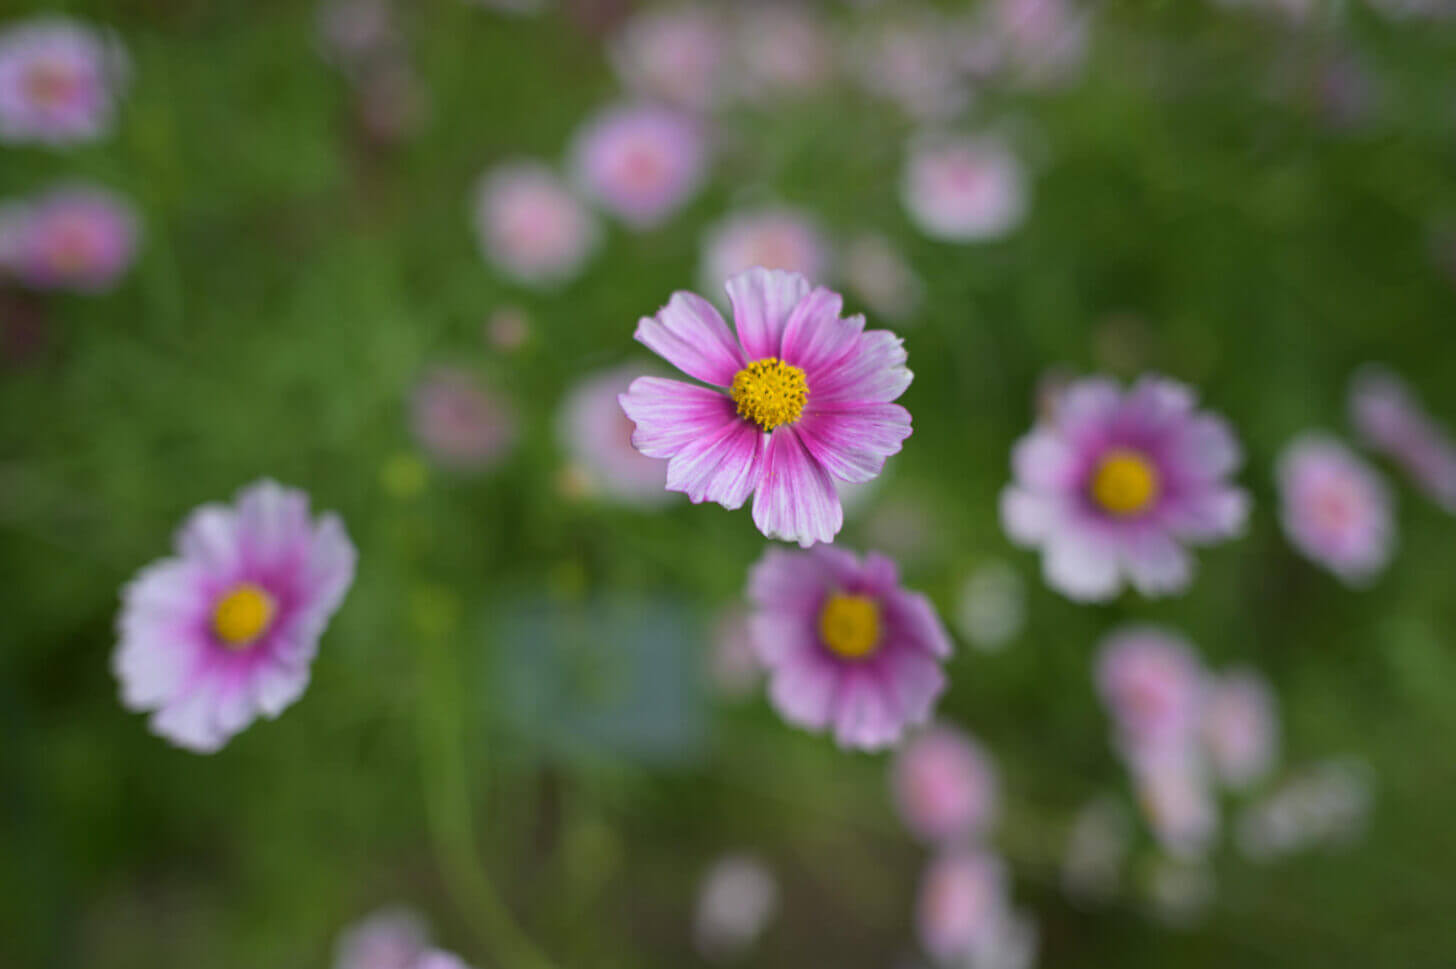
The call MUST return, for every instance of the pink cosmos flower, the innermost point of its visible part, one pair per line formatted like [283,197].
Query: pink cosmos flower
[962,902]
[911,61]
[1179,805]
[531,226]
[944,785]
[677,55]
[59,82]
[227,628]
[1334,508]
[439,959]
[75,237]
[799,398]
[780,50]
[1113,482]
[460,423]
[778,237]
[640,162]
[1240,727]
[963,188]
[736,900]
[877,273]
[846,647]
[1043,42]
[598,438]
[1390,419]
[393,938]
[1151,682]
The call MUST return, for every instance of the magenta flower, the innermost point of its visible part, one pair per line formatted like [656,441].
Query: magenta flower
[531,226]
[640,162]
[460,423]
[1151,682]
[598,438]
[777,237]
[227,629]
[944,785]
[59,82]
[1391,420]
[799,399]
[1240,727]
[1334,508]
[1113,483]
[847,649]
[392,938]
[962,903]
[963,189]
[74,237]
[676,55]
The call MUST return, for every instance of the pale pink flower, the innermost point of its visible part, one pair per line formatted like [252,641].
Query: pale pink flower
[597,436]
[777,237]
[877,273]
[392,938]
[459,422]
[736,900]
[1152,683]
[1240,727]
[944,785]
[962,902]
[1335,508]
[59,82]
[531,226]
[678,55]
[76,237]
[641,163]
[1042,42]
[913,62]
[1179,805]
[226,629]
[780,50]
[439,959]
[1390,419]
[964,188]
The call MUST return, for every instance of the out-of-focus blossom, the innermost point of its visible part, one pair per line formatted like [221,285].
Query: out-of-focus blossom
[1112,485]
[913,62]
[1179,805]
[597,437]
[991,607]
[1041,42]
[1097,850]
[1324,804]
[531,226]
[393,938]
[1179,891]
[640,162]
[778,237]
[459,423]
[877,273]
[808,401]
[508,328]
[1151,682]
[439,959]
[846,647]
[962,903]
[1240,727]
[780,50]
[59,82]
[678,55]
[1011,942]
[733,664]
[226,630]
[944,785]
[964,188]
[1390,419]
[736,900]
[1335,508]
[73,237]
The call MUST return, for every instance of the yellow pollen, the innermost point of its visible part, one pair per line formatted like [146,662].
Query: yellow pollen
[850,625]
[242,615]
[1125,482]
[769,392]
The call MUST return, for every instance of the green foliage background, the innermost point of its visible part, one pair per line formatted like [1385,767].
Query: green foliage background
[1193,213]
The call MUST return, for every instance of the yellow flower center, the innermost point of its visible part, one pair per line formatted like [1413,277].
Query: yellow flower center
[850,625]
[242,615]
[769,392]
[1125,482]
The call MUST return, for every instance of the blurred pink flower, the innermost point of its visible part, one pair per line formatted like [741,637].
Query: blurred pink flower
[73,237]
[1178,802]
[911,61]
[780,50]
[1390,419]
[1042,42]
[963,188]
[808,401]
[439,959]
[597,437]
[227,628]
[642,163]
[1240,727]
[777,237]
[1113,484]
[847,648]
[392,938]
[1151,683]
[1334,508]
[531,226]
[736,900]
[677,55]
[59,82]
[944,785]
[962,903]
[877,273]
[459,423]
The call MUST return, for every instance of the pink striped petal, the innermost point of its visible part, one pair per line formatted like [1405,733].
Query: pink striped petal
[724,466]
[763,300]
[873,370]
[815,336]
[915,618]
[670,414]
[271,519]
[852,441]
[689,334]
[803,690]
[864,717]
[796,499]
